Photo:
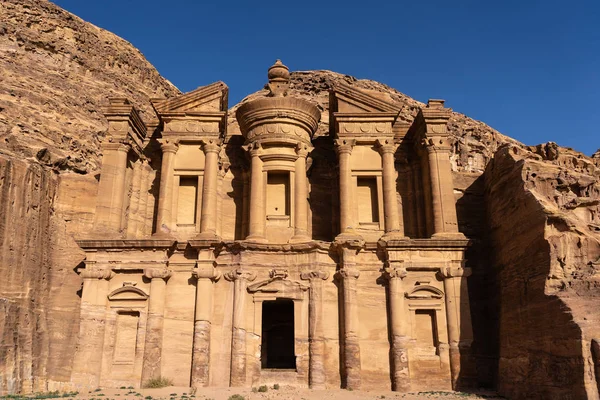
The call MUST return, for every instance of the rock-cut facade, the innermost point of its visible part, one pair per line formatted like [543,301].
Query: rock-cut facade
[274,255]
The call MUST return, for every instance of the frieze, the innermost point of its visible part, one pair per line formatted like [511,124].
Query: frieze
[366,127]
[191,127]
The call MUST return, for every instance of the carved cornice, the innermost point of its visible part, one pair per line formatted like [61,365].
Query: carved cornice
[157,273]
[240,274]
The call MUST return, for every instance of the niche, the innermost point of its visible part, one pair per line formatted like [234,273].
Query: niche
[278,193]
[126,337]
[368,205]
[187,200]
[426,331]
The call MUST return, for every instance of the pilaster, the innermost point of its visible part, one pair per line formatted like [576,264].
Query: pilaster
[154,327]
[301,193]
[165,219]
[316,339]
[240,279]
[460,332]
[347,275]
[205,275]
[208,219]
[394,224]
[344,148]
[257,190]
[395,273]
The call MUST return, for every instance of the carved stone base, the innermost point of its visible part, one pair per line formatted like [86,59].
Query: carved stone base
[238,358]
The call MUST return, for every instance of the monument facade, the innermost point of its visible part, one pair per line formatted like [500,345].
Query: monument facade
[270,255]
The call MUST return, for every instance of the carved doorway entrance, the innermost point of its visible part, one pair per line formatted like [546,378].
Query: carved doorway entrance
[277,346]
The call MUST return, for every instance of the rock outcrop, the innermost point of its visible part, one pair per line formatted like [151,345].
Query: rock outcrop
[544,219]
[57,72]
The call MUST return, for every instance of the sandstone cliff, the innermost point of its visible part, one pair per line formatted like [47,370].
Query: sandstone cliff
[544,215]
[56,72]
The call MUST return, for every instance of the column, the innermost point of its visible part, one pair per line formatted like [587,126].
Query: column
[347,275]
[164,222]
[87,363]
[208,218]
[394,224]
[240,279]
[344,149]
[458,316]
[205,275]
[134,219]
[398,321]
[257,201]
[111,190]
[316,338]
[154,325]
[301,196]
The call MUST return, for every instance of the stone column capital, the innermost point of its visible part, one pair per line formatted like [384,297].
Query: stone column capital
[302,150]
[314,275]
[394,273]
[116,146]
[210,146]
[344,146]
[347,272]
[240,274]
[455,272]
[97,273]
[169,147]
[206,273]
[386,146]
[157,273]
[435,144]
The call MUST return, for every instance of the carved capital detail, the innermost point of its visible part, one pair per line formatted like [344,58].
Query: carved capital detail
[240,274]
[254,149]
[157,273]
[302,150]
[455,272]
[347,272]
[394,273]
[115,146]
[386,146]
[206,273]
[168,146]
[344,146]
[316,275]
[95,273]
[210,146]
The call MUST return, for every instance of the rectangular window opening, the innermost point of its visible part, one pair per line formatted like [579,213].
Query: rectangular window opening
[368,204]
[187,199]
[278,193]
[277,342]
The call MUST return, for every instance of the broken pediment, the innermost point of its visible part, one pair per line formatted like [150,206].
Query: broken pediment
[279,286]
[128,292]
[347,99]
[206,99]
[423,292]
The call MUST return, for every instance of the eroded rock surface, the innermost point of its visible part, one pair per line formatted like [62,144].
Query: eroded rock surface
[543,206]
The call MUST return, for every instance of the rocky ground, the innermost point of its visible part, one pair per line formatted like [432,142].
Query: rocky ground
[258,393]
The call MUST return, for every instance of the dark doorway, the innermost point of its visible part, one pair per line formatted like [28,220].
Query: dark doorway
[278,335]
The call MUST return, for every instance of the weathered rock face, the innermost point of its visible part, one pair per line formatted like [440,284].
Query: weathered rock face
[57,71]
[543,207]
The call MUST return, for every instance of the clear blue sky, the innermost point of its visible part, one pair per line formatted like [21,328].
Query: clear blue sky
[529,68]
